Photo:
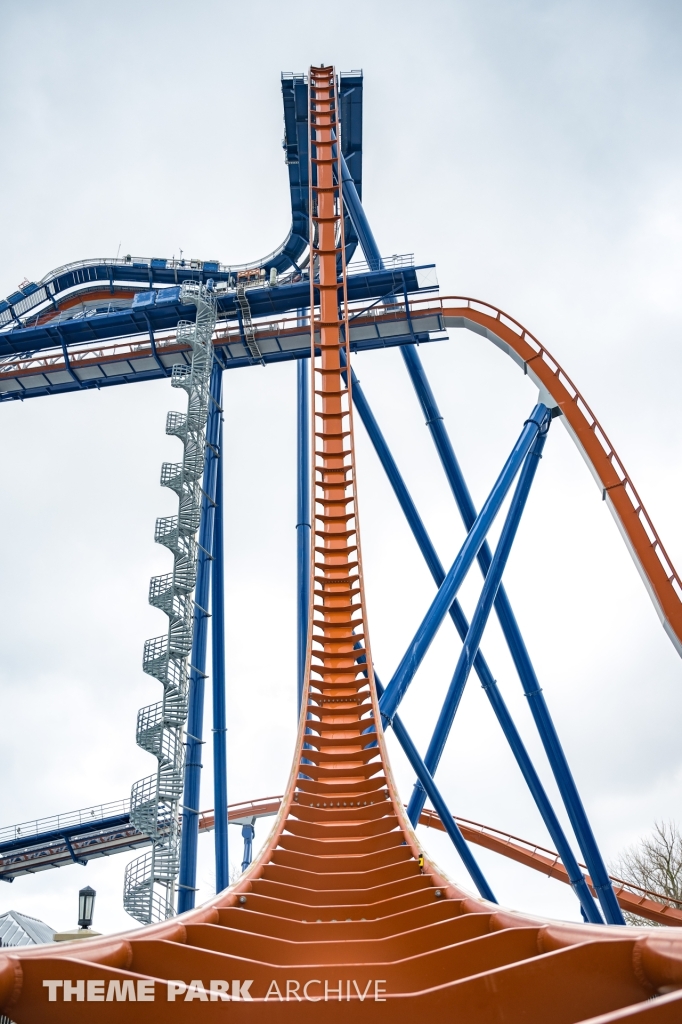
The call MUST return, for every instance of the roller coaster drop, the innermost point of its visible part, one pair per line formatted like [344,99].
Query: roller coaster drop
[342,915]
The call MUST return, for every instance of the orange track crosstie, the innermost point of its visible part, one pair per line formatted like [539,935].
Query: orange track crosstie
[337,919]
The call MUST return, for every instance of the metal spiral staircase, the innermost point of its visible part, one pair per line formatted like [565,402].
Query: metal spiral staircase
[150,880]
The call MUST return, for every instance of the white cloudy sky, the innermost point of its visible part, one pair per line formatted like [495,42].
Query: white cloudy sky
[532,151]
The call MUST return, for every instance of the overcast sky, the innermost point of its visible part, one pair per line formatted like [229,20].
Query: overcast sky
[533,152]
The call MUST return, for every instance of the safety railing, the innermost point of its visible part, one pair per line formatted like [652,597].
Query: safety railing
[55,822]
[510,840]
[418,308]
[421,306]
[390,263]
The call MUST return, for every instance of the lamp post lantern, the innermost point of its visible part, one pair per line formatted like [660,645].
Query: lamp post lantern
[86,906]
[86,910]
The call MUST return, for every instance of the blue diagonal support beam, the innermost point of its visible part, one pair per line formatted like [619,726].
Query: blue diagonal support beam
[447,592]
[512,633]
[479,620]
[522,662]
[481,667]
[435,796]
[72,853]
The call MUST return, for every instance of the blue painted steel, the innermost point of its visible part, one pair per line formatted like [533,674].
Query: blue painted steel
[36,385]
[351,199]
[164,271]
[72,831]
[503,609]
[589,908]
[248,832]
[518,650]
[440,605]
[195,720]
[222,865]
[72,853]
[439,805]
[461,674]
[480,665]
[302,520]
[295,144]
[568,789]
[102,324]
[479,620]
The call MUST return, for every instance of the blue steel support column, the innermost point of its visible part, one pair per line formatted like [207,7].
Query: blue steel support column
[222,865]
[440,605]
[480,665]
[248,832]
[439,805]
[479,621]
[517,647]
[357,215]
[512,633]
[302,518]
[195,719]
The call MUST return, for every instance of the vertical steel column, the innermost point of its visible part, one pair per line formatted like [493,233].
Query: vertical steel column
[248,832]
[222,864]
[195,719]
[512,633]
[302,518]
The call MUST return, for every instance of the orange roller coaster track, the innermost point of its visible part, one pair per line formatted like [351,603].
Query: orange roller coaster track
[343,916]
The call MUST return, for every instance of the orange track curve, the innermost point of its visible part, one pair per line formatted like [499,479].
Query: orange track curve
[338,919]
[660,578]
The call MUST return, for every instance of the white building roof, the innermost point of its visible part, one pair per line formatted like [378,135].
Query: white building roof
[21,930]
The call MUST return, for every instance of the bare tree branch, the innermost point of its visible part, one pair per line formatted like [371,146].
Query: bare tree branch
[654,863]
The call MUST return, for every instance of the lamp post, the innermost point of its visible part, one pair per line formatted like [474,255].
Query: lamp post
[86,909]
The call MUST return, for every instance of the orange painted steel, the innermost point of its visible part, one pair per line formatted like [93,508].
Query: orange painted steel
[633,898]
[662,581]
[341,917]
